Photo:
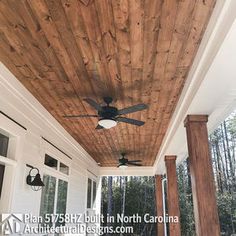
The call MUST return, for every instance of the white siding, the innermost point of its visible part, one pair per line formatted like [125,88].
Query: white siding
[28,147]
[77,192]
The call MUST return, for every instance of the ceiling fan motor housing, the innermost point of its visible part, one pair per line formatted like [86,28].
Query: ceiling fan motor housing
[107,100]
[108,112]
[123,161]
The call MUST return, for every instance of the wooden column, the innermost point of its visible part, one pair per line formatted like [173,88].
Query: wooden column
[203,188]
[159,204]
[172,195]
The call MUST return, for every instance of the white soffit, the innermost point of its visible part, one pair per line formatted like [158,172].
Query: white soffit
[211,85]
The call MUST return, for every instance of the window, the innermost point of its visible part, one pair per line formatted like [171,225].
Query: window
[4,140]
[50,161]
[53,163]
[48,195]
[91,193]
[64,169]
[94,192]
[2,169]
[61,197]
[54,193]
[54,196]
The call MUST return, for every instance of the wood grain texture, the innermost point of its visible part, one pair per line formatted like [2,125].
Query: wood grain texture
[133,50]
[202,179]
[172,195]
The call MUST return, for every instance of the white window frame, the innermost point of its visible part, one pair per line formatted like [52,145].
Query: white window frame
[47,170]
[59,156]
[56,189]
[16,136]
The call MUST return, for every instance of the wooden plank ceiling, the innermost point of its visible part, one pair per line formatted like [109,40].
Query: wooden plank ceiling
[138,51]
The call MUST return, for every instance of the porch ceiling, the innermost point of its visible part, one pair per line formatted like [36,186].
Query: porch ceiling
[135,51]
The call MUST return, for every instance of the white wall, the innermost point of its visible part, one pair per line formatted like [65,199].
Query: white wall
[28,147]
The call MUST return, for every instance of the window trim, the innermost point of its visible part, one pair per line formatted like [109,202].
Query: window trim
[54,153]
[7,161]
[16,141]
[54,173]
[47,170]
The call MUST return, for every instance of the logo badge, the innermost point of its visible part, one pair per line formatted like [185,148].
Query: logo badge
[11,223]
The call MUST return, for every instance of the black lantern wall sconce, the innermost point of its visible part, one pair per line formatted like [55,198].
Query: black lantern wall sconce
[34,180]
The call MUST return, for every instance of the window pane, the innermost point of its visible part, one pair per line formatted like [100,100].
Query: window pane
[51,162]
[89,193]
[2,169]
[64,169]
[48,195]
[94,192]
[61,199]
[3,145]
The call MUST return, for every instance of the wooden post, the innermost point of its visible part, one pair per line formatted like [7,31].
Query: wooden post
[172,195]
[159,204]
[203,188]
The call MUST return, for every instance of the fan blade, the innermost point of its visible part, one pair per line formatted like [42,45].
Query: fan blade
[130,121]
[134,164]
[79,116]
[135,161]
[99,127]
[93,104]
[132,109]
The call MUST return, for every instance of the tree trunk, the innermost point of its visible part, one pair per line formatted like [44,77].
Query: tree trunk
[110,199]
[228,150]
[120,181]
[221,162]
[225,155]
[189,188]
[123,200]
[218,164]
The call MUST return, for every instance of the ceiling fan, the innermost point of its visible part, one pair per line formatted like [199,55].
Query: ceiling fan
[124,162]
[109,115]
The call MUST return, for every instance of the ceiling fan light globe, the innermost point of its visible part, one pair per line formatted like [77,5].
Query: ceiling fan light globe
[123,167]
[107,123]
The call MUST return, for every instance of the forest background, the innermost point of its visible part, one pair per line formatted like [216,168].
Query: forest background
[131,195]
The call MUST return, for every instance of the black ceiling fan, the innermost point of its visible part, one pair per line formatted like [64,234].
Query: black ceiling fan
[109,115]
[124,162]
